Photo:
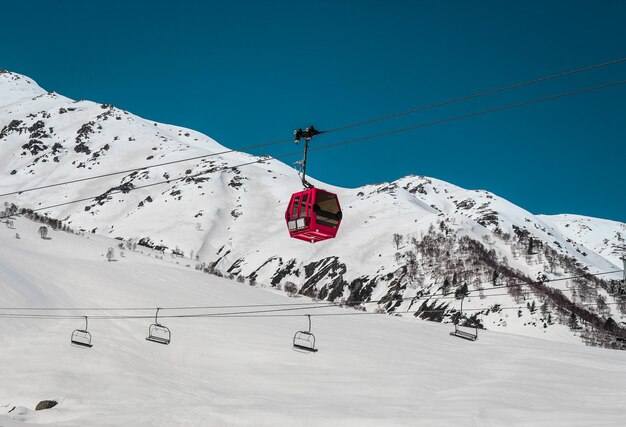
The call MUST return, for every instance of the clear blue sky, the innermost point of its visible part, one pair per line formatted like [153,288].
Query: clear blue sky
[246,72]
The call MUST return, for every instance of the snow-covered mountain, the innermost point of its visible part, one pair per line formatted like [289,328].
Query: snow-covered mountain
[230,220]
[606,238]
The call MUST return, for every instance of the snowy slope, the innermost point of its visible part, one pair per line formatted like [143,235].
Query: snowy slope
[371,370]
[605,237]
[231,218]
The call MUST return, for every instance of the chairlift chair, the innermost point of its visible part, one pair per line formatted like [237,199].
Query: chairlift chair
[464,333]
[81,337]
[305,340]
[158,333]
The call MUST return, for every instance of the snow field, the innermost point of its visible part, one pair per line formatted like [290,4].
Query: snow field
[371,370]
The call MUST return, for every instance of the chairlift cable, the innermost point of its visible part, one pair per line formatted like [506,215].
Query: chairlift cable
[273,313]
[294,306]
[151,166]
[476,95]
[470,115]
[277,315]
[152,308]
[162,316]
[432,297]
[167,181]
[520,284]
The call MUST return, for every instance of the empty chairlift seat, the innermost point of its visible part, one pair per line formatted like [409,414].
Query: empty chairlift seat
[313,215]
[158,333]
[305,340]
[466,332]
[81,337]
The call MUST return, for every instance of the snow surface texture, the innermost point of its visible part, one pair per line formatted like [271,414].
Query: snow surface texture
[233,219]
[371,370]
[607,238]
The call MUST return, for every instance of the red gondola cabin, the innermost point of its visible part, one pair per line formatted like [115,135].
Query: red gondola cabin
[313,215]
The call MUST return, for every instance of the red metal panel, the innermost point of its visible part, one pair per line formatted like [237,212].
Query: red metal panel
[302,221]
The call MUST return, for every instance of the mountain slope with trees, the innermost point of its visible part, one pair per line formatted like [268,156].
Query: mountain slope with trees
[404,246]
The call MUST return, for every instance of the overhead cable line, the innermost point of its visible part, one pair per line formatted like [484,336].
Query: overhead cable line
[531,283]
[348,126]
[272,315]
[173,316]
[205,307]
[440,296]
[289,306]
[357,313]
[469,115]
[155,165]
[351,141]
[167,181]
[476,95]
